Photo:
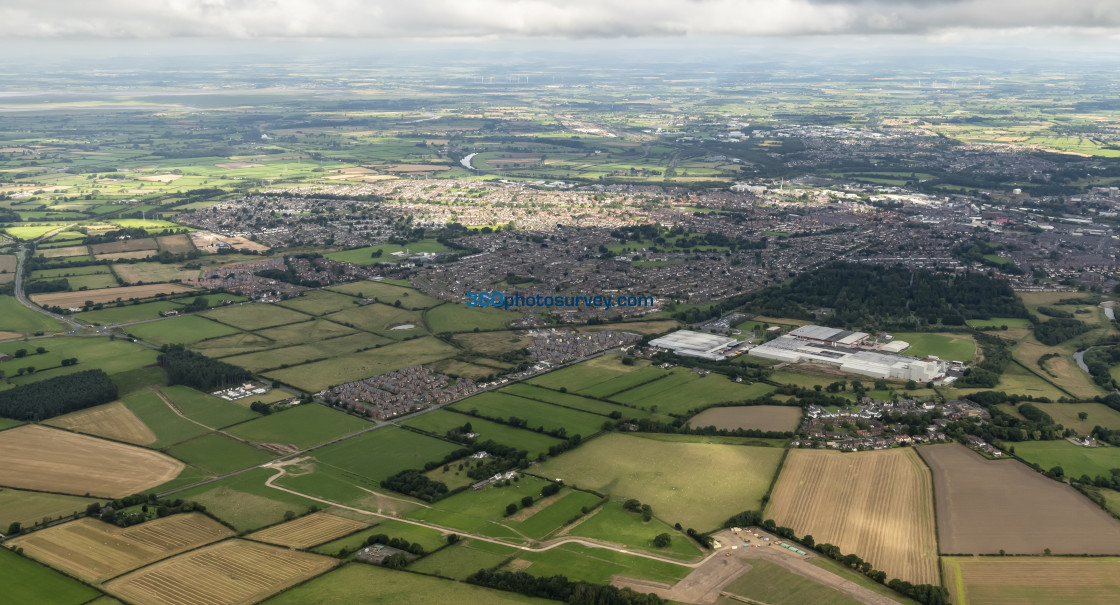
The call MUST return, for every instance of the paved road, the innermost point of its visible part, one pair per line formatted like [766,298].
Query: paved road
[22,298]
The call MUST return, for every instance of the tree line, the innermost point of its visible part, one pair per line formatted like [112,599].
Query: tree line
[56,396]
[198,371]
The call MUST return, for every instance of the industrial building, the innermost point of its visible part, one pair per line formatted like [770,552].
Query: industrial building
[829,346]
[696,344]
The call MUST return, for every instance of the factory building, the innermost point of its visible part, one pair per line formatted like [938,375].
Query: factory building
[696,344]
[829,346]
[830,336]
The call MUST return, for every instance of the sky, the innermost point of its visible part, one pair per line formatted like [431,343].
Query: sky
[925,21]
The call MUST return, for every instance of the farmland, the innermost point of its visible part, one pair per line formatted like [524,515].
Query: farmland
[967,486]
[204,575]
[771,583]
[1075,460]
[1066,414]
[319,375]
[308,531]
[205,408]
[302,426]
[112,420]
[187,329]
[77,464]
[218,454]
[835,497]
[465,558]
[112,356]
[596,565]
[759,417]
[15,317]
[683,390]
[106,295]
[698,485]
[25,581]
[583,377]
[956,347]
[245,502]
[439,422]
[535,413]
[96,551]
[1031,581]
[30,507]
[393,448]
[453,317]
[254,316]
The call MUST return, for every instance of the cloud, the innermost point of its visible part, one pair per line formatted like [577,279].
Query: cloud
[482,19]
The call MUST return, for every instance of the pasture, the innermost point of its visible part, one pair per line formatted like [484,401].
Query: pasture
[175,244]
[535,413]
[28,508]
[571,400]
[112,420]
[302,426]
[439,422]
[950,347]
[126,313]
[25,581]
[15,317]
[187,329]
[493,343]
[245,502]
[597,565]
[969,486]
[146,273]
[308,331]
[1075,460]
[454,317]
[696,484]
[158,417]
[106,295]
[112,356]
[463,559]
[837,498]
[254,316]
[387,293]
[770,583]
[371,584]
[757,417]
[612,523]
[1065,414]
[1032,580]
[52,460]
[381,319]
[379,454]
[218,454]
[307,531]
[319,302]
[294,355]
[682,391]
[581,377]
[316,376]
[482,511]
[95,551]
[205,575]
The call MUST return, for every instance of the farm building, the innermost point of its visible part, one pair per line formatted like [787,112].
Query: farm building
[789,348]
[696,344]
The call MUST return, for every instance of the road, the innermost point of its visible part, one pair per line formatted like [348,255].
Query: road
[22,298]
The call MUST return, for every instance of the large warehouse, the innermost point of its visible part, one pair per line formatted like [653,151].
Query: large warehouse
[820,349]
[696,344]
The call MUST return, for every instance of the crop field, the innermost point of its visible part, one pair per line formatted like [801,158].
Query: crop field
[69,272]
[294,355]
[64,252]
[25,581]
[96,551]
[319,375]
[438,422]
[683,390]
[537,414]
[152,272]
[1075,460]
[310,530]
[597,565]
[187,329]
[463,559]
[308,331]
[254,316]
[112,356]
[381,319]
[112,420]
[52,460]
[234,344]
[212,411]
[454,367]
[410,298]
[175,244]
[695,484]
[759,417]
[394,450]
[454,317]
[1032,581]
[30,507]
[15,317]
[952,347]
[124,245]
[126,313]
[968,487]
[837,497]
[371,584]
[319,302]
[168,426]
[107,295]
[302,426]
[770,583]
[218,454]
[233,572]
[245,502]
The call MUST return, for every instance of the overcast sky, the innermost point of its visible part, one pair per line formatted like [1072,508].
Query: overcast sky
[927,21]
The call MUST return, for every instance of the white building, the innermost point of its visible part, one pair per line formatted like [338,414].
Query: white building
[695,344]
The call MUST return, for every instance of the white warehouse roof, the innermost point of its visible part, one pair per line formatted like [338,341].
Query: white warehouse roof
[695,344]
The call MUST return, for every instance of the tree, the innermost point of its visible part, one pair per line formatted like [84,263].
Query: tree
[662,540]
[14,528]
[1082,415]
[289,515]
[526,502]
[911,385]
[632,505]
[453,539]
[40,350]
[511,508]
[20,353]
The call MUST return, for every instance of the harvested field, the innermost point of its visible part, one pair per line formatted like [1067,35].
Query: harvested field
[152,272]
[839,499]
[112,420]
[63,252]
[125,255]
[233,572]
[77,299]
[160,178]
[124,245]
[1029,581]
[51,460]
[312,530]
[8,263]
[30,507]
[96,551]
[175,244]
[984,506]
[759,417]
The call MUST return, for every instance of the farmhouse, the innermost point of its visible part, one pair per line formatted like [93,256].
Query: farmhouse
[696,344]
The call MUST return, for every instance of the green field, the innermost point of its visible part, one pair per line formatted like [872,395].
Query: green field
[25,581]
[169,427]
[614,524]
[254,316]
[357,583]
[585,375]
[316,376]
[683,390]
[127,313]
[31,507]
[995,322]
[482,511]
[695,484]
[463,559]
[537,414]
[319,302]
[303,426]
[207,409]
[6,423]
[364,256]
[15,317]
[309,331]
[218,454]
[1065,414]
[597,565]
[245,502]
[381,319]
[950,347]
[1074,459]
[394,450]
[187,329]
[294,355]
[387,293]
[572,400]
[430,539]
[439,422]
[112,356]
[771,583]
[454,317]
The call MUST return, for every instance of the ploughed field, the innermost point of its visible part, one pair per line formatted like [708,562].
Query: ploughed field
[878,505]
[759,417]
[1032,580]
